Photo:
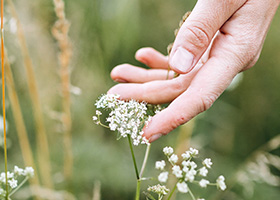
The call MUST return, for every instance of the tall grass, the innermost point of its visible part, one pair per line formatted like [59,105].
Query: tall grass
[60,32]
[42,139]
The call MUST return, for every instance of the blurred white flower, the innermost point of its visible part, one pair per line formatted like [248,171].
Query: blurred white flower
[177,171]
[186,155]
[168,151]
[182,187]
[193,151]
[29,172]
[203,183]
[173,158]
[12,183]
[159,189]
[163,177]
[203,171]
[221,182]
[207,162]
[160,165]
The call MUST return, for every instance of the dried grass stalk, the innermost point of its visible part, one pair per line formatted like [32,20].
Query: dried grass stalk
[20,126]
[60,32]
[42,139]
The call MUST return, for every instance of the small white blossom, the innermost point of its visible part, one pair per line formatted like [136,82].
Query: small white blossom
[200,199]
[159,189]
[2,192]
[163,177]
[168,151]
[29,171]
[207,162]
[12,183]
[173,158]
[94,118]
[193,151]
[186,155]
[177,171]
[98,112]
[160,165]
[221,182]
[203,183]
[203,171]
[190,175]
[182,187]
[18,171]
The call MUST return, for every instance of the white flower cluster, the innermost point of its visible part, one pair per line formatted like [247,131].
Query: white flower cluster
[159,189]
[187,170]
[28,172]
[126,117]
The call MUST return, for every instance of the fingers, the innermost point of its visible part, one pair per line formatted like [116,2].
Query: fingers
[198,30]
[126,73]
[152,58]
[207,85]
[154,92]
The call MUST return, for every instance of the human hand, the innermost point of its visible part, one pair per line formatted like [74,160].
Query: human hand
[216,42]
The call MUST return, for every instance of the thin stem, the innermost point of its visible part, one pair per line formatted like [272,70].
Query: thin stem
[192,194]
[3,97]
[133,157]
[145,160]
[19,186]
[171,193]
[137,196]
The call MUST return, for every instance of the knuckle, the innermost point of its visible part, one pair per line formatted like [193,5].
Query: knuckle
[197,36]
[207,101]
[179,120]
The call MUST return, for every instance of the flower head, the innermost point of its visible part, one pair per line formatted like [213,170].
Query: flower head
[168,151]
[221,182]
[159,189]
[182,187]
[203,183]
[160,165]
[163,177]
[207,162]
[173,158]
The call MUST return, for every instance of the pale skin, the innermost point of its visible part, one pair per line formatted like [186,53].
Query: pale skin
[217,41]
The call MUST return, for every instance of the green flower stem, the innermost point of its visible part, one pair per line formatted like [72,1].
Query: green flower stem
[192,194]
[19,186]
[137,196]
[171,193]
[133,157]
[145,160]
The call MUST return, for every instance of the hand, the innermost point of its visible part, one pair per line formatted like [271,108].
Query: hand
[216,42]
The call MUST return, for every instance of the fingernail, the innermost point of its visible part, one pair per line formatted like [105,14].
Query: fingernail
[182,60]
[155,137]
[119,80]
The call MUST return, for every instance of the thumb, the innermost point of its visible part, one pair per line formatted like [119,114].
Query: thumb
[198,30]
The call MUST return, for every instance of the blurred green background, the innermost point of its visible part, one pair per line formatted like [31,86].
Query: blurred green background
[105,33]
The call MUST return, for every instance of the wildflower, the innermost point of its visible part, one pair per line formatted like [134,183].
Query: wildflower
[168,151]
[173,159]
[221,182]
[193,151]
[12,183]
[190,175]
[18,171]
[29,172]
[94,118]
[186,155]
[203,171]
[163,177]
[207,162]
[98,112]
[182,187]
[159,189]
[177,171]
[160,165]
[203,183]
